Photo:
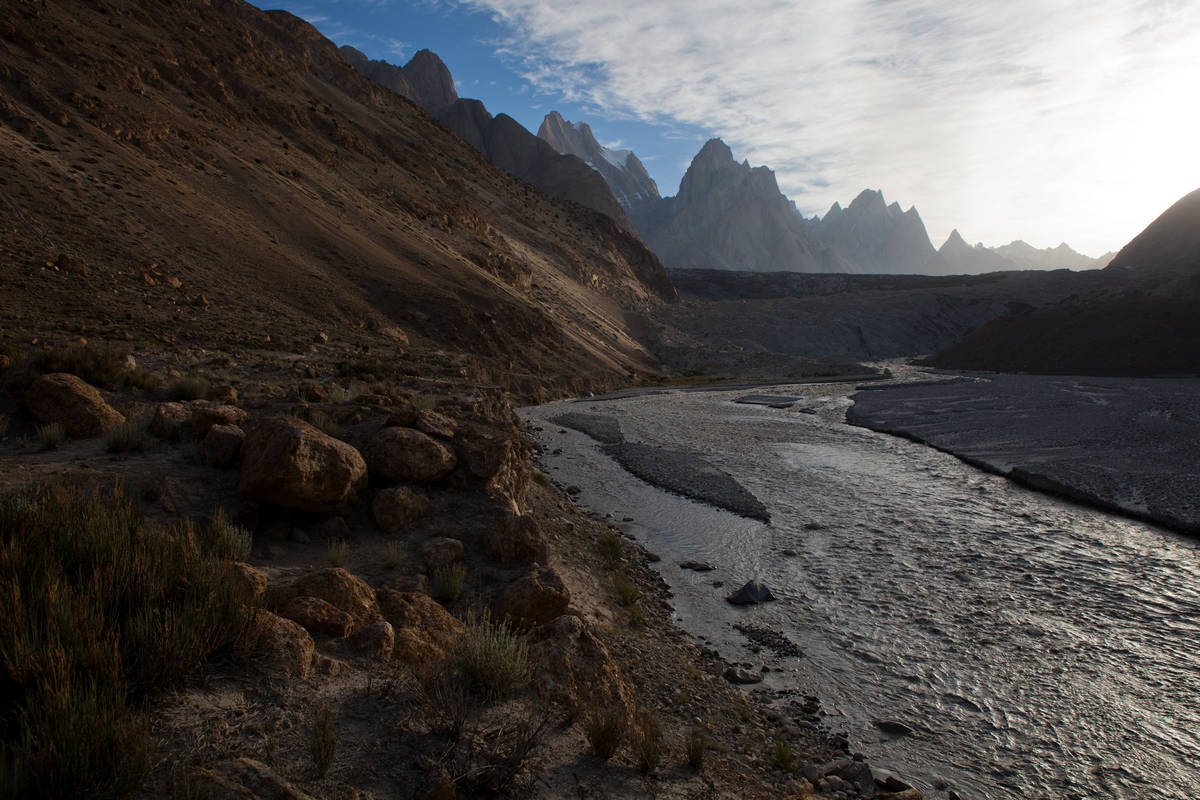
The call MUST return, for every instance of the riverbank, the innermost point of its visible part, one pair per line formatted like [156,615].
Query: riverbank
[1125,445]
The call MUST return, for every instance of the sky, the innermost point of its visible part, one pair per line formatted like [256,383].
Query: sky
[1042,120]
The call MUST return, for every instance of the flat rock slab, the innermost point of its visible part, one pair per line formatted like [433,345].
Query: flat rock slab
[686,473]
[769,400]
[1130,445]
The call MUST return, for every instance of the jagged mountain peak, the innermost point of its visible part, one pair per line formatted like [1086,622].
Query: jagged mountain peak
[432,80]
[631,185]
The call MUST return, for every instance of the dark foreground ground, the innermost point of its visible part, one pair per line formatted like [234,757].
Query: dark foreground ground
[1130,445]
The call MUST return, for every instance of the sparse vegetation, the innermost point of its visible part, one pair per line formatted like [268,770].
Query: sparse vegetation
[100,610]
[322,739]
[128,437]
[395,554]
[51,435]
[610,547]
[647,742]
[103,368]
[3,425]
[447,582]
[191,388]
[782,756]
[339,552]
[325,423]
[604,729]
[627,593]
[696,747]
[491,657]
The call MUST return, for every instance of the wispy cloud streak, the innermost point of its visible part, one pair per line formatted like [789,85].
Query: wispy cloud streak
[1071,119]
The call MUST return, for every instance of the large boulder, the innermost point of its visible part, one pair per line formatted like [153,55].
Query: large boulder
[67,399]
[288,462]
[424,632]
[278,644]
[442,552]
[752,593]
[342,590]
[571,666]
[318,616]
[534,599]
[171,421]
[403,454]
[249,582]
[376,640]
[435,424]
[515,539]
[206,415]
[499,459]
[396,508]
[222,445]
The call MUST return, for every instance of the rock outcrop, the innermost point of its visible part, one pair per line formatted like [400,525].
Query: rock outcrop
[424,632]
[288,462]
[571,666]
[536,598]
[404,454]
[72,402]
[397,507]
[625,174]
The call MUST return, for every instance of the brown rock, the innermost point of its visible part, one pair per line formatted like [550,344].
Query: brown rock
[171,421]
[403,413]
[314,393]
[435,424]
[335,528]
[403,454]
[72,265]
[59,397]
[348,592]
[250,583]
[515,539]
[290,463]
[499,459]
[4,362]
[442,552]
[222,445]
[278,644]
[377,639]
[244,779]
[398,507]
[318,616]
[571,666]
[535,599]
[205,415]
[424,631]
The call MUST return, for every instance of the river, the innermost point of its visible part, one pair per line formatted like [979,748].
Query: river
[1029,647]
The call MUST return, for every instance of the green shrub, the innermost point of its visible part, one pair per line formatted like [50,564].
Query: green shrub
[491,657]
[51,435]
[193,388]
[647,742]
[339,552]
[627,593]
[128,437]
[781,755]
[609,544]
[99,611]
[447,582]
[696,747]
[396,554]
[103,368]
[322,739]
[604,729]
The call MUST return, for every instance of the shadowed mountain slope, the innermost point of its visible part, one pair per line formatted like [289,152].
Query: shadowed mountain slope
[1141,321]
[623,171]
[230,180]
[427,81]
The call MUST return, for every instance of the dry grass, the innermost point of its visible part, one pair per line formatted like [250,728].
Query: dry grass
[102,368]
[605,729]
[128,437]
[782,755]
[610,547]
[192,388]
[446,583]
[339,552]
[395,554]
[51,435]
[696,748]
[322,739]
[491,657]
[647,742]
[99,611]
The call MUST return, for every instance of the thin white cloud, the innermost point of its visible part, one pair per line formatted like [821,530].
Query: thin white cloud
[1047,119]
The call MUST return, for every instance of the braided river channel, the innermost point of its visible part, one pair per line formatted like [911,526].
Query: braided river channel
[970,635]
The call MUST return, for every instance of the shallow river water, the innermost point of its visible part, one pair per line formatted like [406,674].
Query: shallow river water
[1032,648]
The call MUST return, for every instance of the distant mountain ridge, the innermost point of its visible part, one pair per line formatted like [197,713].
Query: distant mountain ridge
[732,216]
[427,81]
[626,176]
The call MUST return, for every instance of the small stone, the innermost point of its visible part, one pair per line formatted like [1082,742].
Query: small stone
[752,593]
[696,566]
[742,677]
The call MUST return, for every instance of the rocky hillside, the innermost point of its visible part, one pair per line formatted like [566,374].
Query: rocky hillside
[232,180]
[624,172]
[426,80]
[1139,320]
